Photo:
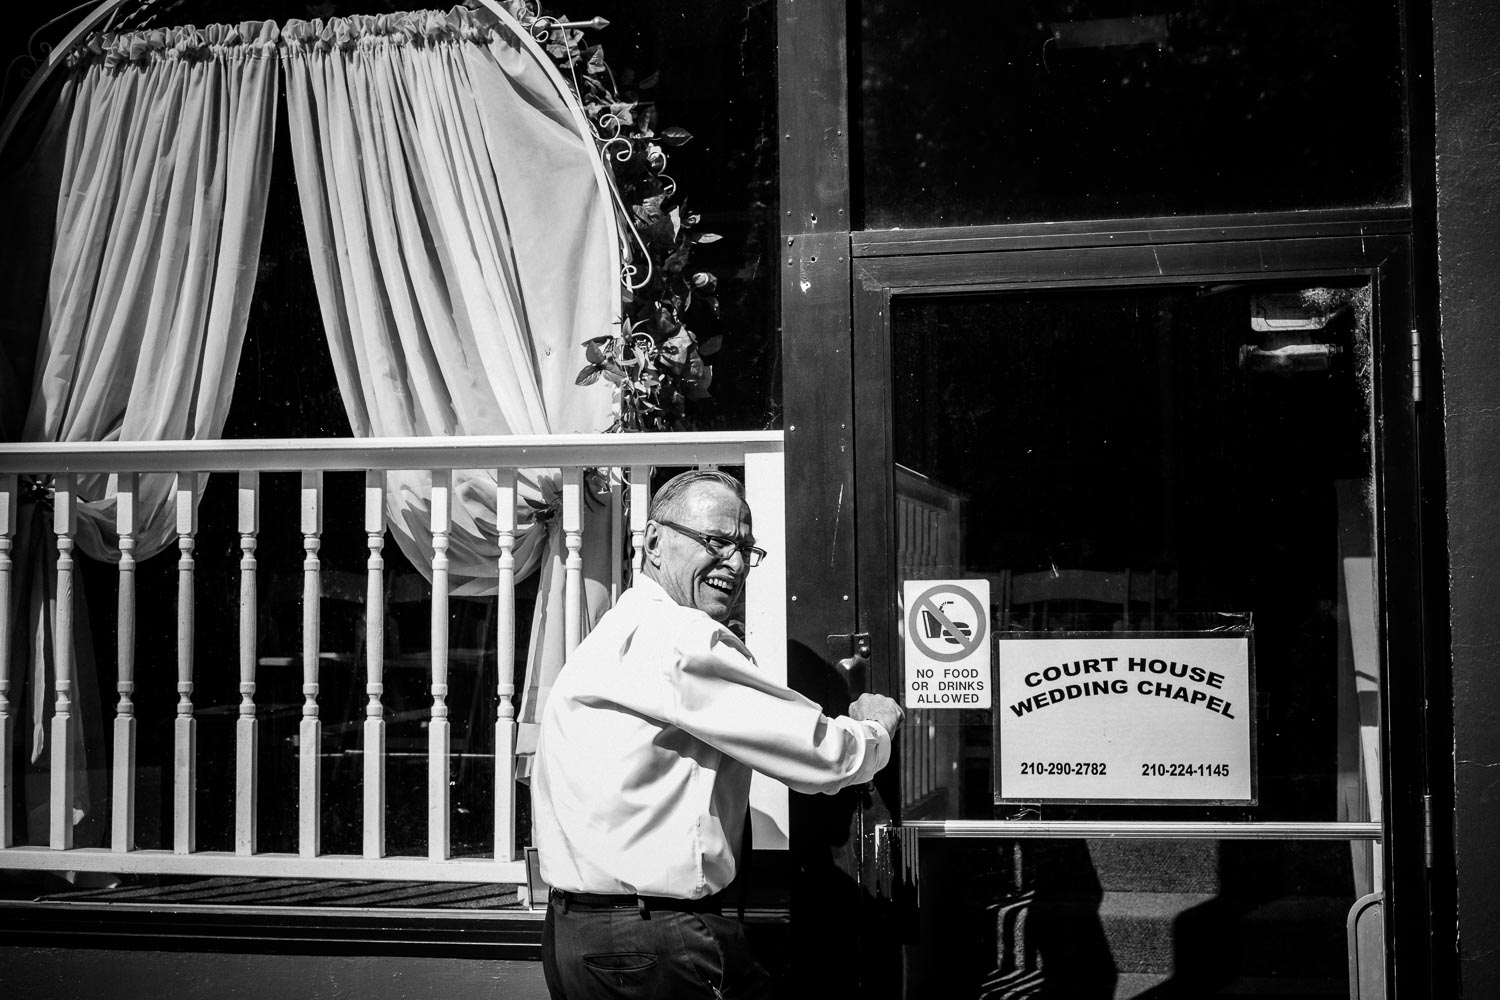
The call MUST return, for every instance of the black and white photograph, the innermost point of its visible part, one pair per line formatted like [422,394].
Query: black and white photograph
[761,500]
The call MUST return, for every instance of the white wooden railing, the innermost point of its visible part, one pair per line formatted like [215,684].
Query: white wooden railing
[630,457]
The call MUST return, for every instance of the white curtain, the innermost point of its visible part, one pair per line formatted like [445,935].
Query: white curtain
[461,255]
[166,159]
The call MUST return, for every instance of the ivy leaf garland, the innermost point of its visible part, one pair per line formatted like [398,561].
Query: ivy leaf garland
[656,362]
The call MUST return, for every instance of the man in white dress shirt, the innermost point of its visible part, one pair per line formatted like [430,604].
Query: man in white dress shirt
[642,780]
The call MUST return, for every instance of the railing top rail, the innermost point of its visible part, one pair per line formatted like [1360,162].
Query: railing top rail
[358,454]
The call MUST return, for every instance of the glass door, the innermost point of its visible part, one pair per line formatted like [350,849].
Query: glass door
[1136,593]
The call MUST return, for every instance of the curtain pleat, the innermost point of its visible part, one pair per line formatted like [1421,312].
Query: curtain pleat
[159,219]
[460,251]
[165,165]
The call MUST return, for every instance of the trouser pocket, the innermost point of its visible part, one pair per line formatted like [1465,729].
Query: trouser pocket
[626,974]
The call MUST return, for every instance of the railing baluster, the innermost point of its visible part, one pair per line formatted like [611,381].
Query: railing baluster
[932,758]
[924,542]
[122,819]
[437,729]
[375,665]
[9,499]
[310,731]
[929,541]
[908,765]
[934,537]
[911,548]
[573,537]
[921,753]
[914,541]
[505,670]
[918,561]
[247,727]
[903,538]
[640,502]
[924,756]
[924,780]
[62,744]
[918,753]
[616,513]
[908,792]
[909,758]
[919,542]
[185,727]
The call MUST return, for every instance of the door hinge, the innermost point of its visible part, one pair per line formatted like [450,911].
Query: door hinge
[1427,828]
[1416,365]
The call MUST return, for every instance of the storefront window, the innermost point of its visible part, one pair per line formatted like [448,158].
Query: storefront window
[982,113]
[707,77]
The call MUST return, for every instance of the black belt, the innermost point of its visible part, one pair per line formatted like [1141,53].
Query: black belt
[645,904]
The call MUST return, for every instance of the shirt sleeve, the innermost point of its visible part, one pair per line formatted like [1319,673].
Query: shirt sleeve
[720,697]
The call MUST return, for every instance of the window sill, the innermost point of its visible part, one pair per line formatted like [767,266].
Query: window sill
[283,916]
[292,916]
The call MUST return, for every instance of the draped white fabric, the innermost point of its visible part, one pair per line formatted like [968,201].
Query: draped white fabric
[165,169]
[158,233]
[461,255]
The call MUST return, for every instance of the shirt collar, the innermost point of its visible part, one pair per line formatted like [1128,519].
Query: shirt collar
[651,590]
[647,589]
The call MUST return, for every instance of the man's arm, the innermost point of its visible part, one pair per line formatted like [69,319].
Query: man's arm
[725,701]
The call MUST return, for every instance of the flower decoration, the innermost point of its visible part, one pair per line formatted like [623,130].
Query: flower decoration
[656,362]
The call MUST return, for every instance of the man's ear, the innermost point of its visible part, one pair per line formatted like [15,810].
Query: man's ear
[651,546]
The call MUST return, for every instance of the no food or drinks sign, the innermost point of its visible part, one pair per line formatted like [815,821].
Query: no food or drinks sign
[947,629]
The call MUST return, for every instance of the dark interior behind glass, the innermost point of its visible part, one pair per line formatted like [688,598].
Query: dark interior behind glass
[1154,435]
[980,113]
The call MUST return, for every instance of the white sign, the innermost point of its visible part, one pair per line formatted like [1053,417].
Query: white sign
[947,628]
[1127,718]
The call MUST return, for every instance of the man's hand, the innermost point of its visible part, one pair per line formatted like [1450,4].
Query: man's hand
[877,708]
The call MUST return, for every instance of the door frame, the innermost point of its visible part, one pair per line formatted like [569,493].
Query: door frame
[829,269]
[888,266]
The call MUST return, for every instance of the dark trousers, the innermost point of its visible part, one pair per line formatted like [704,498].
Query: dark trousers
[650,950]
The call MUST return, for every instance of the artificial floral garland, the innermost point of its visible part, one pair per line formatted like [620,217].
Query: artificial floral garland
[656,362]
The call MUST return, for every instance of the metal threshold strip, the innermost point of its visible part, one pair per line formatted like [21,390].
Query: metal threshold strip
[1025,829]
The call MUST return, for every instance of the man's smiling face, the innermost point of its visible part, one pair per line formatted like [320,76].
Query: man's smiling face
[692,575]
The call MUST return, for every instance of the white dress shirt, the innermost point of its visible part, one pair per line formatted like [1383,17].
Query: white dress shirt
[647,741]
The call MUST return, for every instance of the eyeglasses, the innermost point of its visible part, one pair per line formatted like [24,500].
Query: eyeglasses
[722,548]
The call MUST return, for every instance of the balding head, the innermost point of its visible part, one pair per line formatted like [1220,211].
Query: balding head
[668,501]
[690,570]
